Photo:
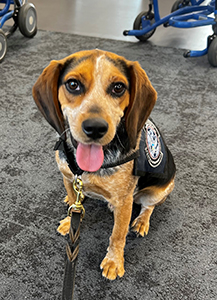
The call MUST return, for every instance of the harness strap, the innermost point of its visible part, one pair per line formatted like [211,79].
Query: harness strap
[62,145]
[126,159]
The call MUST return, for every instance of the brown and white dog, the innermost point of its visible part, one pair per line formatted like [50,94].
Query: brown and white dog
[102,102]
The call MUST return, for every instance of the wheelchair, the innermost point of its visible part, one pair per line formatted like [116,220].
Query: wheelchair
[24,17]
[184,14]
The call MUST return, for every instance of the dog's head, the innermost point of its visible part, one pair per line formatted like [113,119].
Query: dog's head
[92,91]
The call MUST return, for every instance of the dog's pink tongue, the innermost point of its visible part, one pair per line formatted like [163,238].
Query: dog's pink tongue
[89,157]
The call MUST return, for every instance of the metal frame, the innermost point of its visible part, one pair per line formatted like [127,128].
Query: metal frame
[6,13]
[180,19]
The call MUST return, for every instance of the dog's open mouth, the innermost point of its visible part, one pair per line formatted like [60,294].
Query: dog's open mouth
[89,157]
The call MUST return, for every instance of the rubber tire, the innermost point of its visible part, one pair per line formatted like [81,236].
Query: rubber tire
[212,53]
[137,25]
[3,45]
[27,20]
[176,5]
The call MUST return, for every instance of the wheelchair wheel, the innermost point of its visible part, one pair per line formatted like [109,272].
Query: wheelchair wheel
[27,20]
[180,4]
[212,53]
[3,45]
[138,25]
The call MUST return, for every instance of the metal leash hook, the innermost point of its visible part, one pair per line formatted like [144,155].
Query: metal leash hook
[77,206]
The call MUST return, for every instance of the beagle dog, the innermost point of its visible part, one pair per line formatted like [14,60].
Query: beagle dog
[101,103]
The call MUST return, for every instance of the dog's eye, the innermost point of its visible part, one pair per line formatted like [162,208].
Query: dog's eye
[73,86]
[118,89]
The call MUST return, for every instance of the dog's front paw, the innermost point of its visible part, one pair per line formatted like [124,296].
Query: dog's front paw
[112,267]
[140,226]
[64,226]
[66,200]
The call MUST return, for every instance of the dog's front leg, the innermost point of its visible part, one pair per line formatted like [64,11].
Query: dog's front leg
[70,199]
[68,178]
[113,263]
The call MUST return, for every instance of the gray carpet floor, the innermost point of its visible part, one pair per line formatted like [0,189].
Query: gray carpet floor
[178,258]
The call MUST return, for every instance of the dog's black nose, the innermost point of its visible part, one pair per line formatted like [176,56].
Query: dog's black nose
[95,128]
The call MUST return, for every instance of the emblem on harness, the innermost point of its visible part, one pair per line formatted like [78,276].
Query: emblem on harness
[153,146]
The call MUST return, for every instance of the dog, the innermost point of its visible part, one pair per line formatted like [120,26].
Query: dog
[102,102]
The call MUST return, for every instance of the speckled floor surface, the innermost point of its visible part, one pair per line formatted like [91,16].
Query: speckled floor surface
[178,258]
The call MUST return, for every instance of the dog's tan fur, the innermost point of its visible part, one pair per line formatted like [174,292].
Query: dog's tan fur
[96,70]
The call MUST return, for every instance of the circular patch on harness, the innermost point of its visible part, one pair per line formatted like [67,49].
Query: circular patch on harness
[153,145]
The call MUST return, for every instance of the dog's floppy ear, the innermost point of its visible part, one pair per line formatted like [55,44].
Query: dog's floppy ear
[142,100]
[45,94]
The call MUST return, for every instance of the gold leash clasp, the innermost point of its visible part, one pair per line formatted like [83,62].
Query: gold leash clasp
[77,206]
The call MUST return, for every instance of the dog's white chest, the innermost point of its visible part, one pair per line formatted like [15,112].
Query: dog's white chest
[94,195]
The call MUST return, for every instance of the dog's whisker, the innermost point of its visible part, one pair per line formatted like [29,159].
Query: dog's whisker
[65,131]
[120,142]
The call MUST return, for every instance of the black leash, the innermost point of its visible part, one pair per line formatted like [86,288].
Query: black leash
[72,246]
[72,249]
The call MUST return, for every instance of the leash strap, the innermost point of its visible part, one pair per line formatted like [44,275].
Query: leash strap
[72,249]
[72,246]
